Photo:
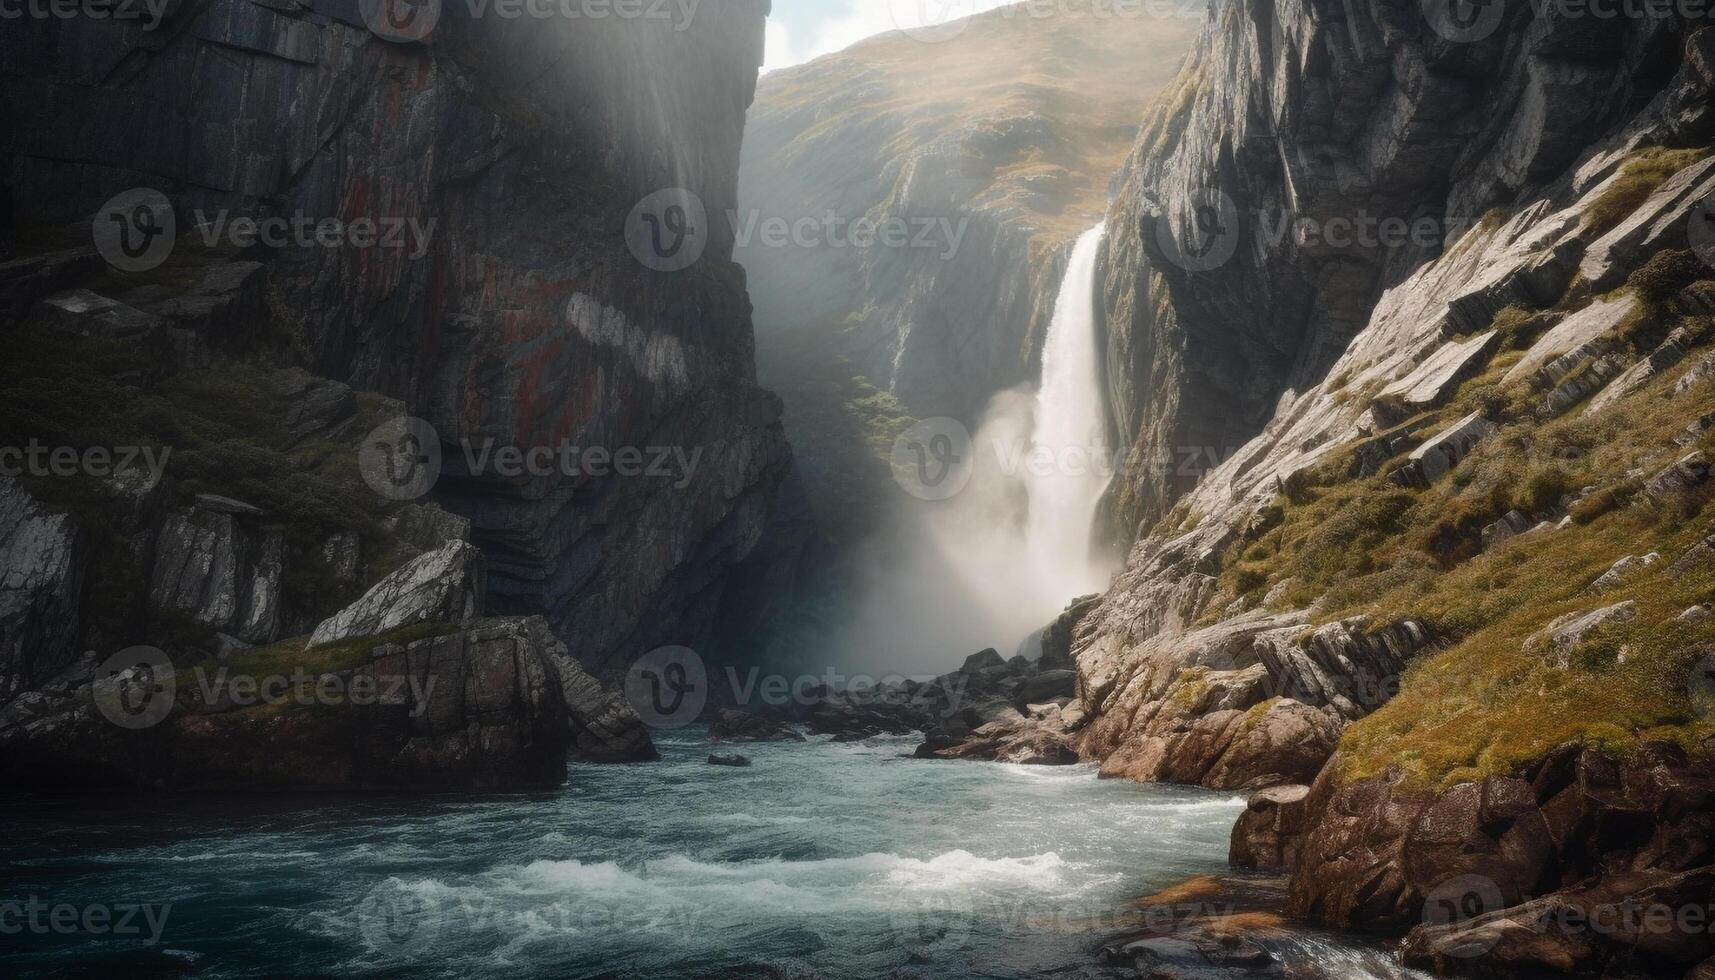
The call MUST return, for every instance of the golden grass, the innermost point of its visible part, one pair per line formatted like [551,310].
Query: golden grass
[1642,175]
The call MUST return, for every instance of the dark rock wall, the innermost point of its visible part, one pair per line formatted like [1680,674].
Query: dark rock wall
[525,320]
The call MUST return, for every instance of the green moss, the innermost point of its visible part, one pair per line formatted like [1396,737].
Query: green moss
[1487,704]
[220,431]
[294,655]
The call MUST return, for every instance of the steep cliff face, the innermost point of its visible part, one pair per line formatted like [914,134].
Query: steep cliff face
[519,318]
[1304,358]
[500,294]
[1317,112]
[1442,548]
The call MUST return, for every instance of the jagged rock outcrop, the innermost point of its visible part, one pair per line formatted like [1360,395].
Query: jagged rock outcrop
[42,559]
[1510,873]
[477,709]
[218,568]
[444,586]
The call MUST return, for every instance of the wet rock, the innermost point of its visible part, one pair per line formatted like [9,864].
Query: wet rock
[604,726]
[444,586]
[985,660]
[42,568]
[1046,685]
[729,725]
[1266,836]
[1487,875]
[734,761]
[1058,637]
[477,710]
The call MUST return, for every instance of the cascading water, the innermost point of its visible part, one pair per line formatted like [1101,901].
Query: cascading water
[1069,466]
[1001,559]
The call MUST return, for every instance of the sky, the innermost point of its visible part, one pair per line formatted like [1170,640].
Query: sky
[800,30]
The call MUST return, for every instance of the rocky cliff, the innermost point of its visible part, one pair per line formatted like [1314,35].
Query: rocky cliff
[496,163]
[1421,512]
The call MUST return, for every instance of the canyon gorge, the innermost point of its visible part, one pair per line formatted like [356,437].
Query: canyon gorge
[1327,393]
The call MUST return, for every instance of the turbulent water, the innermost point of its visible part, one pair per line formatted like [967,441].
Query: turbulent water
[1070,430]
[826,860]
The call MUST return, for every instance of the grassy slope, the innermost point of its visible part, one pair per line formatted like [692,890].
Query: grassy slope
[1485,704]
[1090,78]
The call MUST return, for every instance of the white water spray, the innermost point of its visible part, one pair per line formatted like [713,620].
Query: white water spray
[1070,463]
[1001,559]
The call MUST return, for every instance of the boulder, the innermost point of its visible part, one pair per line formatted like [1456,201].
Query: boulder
[986,660]
[1443,452]
[1616,574]
[1266,836]
[1564,635]
[604,726]
[1686,473]
[734,761]
[86,314]
[1433,382]
[444,586]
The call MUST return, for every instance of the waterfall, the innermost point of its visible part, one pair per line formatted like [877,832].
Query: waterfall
[1000,560]
[1069,465]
